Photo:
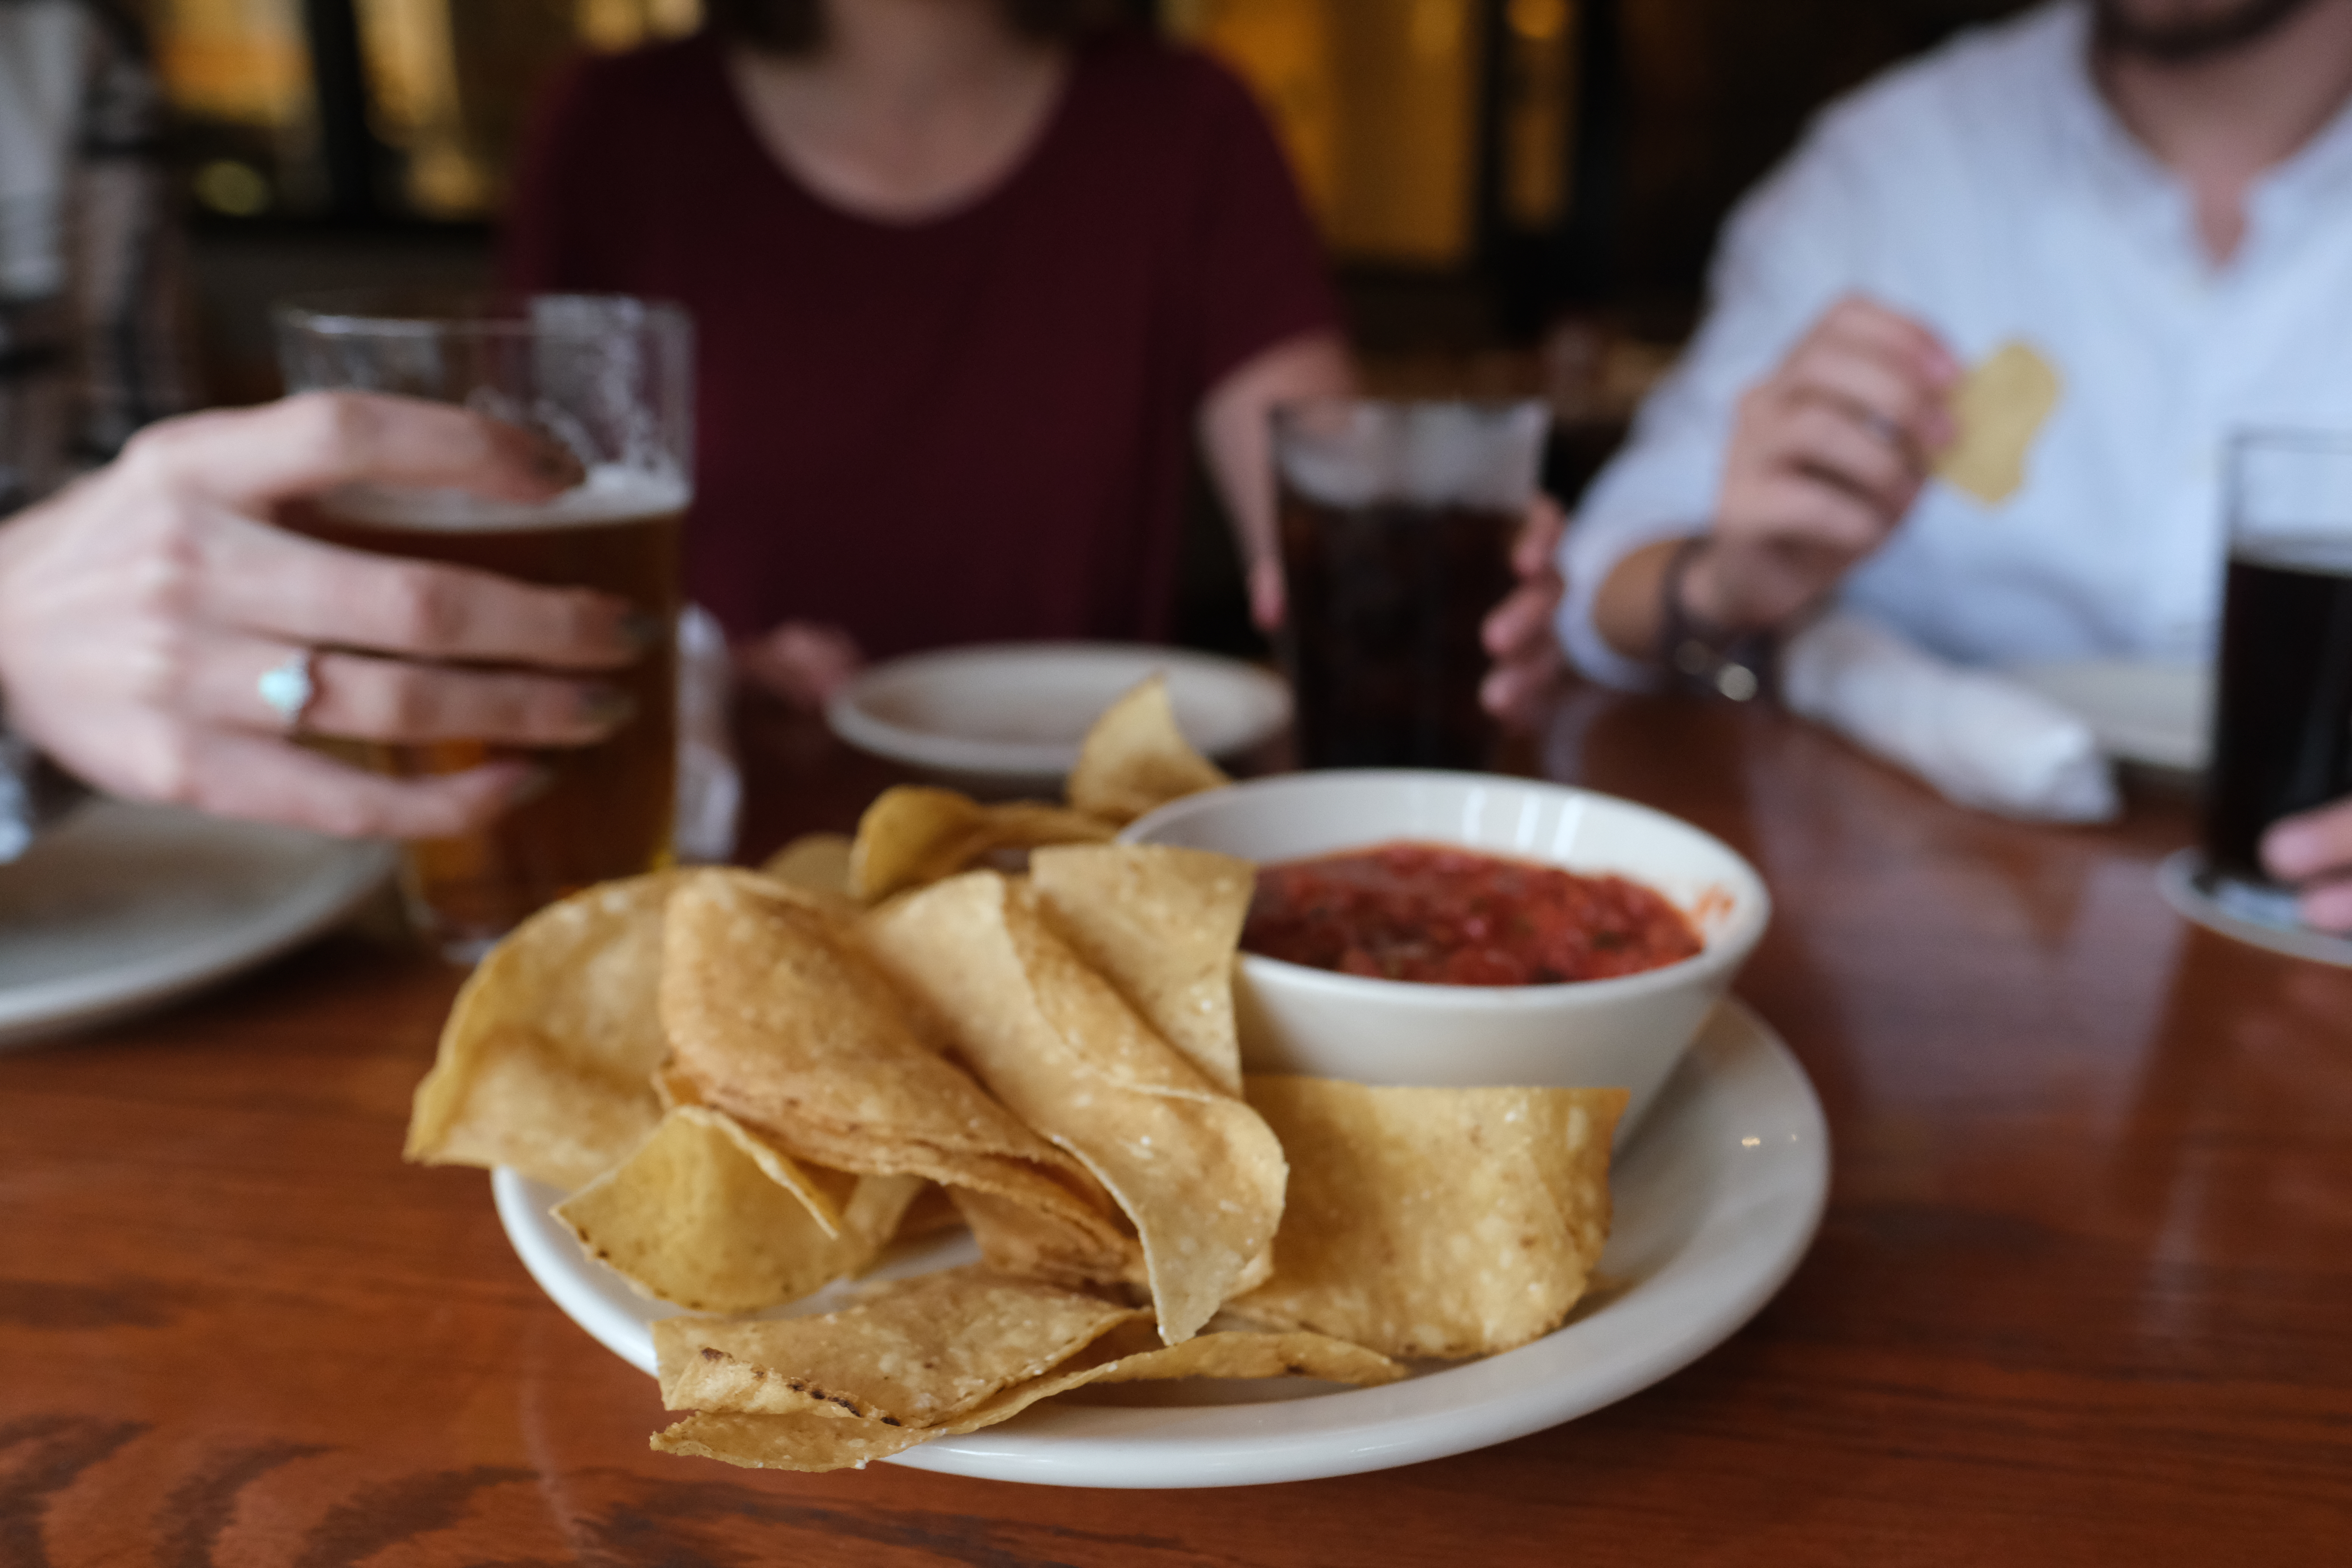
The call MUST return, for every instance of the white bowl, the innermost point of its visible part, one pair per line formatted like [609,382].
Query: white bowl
[1008,717]
[1628,1031]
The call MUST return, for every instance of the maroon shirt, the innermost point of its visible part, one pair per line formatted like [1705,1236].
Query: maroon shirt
[971,427]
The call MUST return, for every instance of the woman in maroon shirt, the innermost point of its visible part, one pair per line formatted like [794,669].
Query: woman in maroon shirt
[969,276]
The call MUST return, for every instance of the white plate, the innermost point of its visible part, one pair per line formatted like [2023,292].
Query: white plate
[1015,712]
[2263,918]
[1715,1200]
[123,907]
[2158,715]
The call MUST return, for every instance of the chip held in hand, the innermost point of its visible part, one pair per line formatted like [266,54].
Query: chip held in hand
[1998,407]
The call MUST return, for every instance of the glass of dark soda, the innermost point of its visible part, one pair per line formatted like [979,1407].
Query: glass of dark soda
[2283,709]
[1397,522]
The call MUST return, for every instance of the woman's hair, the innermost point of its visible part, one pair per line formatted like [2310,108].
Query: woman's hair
[797,26]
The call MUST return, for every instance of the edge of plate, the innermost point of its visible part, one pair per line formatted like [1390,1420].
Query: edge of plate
[848,717]
[2176,879]
[356,870]
[1434,1417]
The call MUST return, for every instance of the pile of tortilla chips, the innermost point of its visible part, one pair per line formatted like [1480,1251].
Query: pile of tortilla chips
[753,1084]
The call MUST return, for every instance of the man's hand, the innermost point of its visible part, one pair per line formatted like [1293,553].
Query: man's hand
[1519,633]
[2314,851]
[141,606]
[1827,455]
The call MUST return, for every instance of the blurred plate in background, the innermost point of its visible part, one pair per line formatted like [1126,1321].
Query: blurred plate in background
[125,907]
[2156,715]
[1009,716]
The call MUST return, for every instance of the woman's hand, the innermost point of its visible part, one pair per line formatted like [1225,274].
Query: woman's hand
[801,662]
[1518,632]
[2314,851]
[141,606]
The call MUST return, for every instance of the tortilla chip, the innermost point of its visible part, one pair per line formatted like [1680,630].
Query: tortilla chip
[1998,407]
[1135,759]
[544,1062]
[913,835]
[709,1216]
[777,1019]
[913,1352]
[799,1442]
[1434,1222]
[1197,1171]
[818,861]
[1162,925]
[754,1411]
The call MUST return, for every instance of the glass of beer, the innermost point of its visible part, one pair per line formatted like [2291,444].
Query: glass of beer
[610,380]
[1397,521]
[2282,708]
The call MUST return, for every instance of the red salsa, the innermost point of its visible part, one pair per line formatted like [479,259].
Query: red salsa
[1454,917]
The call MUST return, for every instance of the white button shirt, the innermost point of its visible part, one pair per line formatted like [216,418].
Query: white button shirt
[1989,191]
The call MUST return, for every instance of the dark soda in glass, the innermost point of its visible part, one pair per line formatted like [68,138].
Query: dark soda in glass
[2283,710]
[1382,639]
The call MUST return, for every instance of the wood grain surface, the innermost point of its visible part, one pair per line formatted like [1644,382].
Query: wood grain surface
[2083,1294]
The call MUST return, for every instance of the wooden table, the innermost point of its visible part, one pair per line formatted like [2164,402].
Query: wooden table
[2084,1293]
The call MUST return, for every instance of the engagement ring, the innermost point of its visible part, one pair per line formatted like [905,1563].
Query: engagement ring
[287,688]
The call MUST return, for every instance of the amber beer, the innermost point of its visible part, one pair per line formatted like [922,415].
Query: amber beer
[607,809]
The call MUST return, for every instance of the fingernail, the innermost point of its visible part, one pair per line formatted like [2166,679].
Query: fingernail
[2292,851]
[536,780]
[2328,908]
[606,707]
[556,464]
[643,630]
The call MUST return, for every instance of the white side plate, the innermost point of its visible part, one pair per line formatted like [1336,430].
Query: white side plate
[1715,1201]
[1015,712]
[124,907]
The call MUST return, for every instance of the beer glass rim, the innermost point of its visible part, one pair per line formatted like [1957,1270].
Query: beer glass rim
[398,312]
[1291,408]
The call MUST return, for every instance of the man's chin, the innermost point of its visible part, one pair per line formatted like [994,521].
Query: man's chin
[2180,35]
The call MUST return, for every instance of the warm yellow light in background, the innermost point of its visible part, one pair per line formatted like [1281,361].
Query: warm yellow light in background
[1538,21]
[626,24]
[417,85]
[1376,103]
[245,61]
[1538,89]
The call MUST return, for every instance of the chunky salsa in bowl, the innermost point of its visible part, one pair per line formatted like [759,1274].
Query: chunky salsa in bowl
[1466,929]
[1443,915]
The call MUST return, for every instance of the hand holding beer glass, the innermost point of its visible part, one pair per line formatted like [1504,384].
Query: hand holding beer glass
[606,382]
[2282,718]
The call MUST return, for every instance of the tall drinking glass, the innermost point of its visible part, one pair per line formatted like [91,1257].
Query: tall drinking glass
[610,379]
[1397,522]
[2283,713]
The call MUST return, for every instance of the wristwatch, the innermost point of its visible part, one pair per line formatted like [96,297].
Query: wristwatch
[1703,657]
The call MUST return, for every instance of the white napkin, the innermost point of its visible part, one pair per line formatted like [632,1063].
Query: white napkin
[1982,740]
[709,785]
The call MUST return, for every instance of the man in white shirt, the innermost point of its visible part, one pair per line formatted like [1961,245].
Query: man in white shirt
[2156,194]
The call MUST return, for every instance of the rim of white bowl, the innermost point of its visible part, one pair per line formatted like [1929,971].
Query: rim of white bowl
[1726,948]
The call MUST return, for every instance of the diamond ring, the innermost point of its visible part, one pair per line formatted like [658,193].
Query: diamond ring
[289,687]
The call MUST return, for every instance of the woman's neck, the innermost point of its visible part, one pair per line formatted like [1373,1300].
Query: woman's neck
[2221,122]
[910,109]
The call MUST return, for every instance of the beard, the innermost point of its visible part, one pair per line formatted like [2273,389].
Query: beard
[2180,35]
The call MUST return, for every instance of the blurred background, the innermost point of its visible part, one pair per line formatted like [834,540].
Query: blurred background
[1519,196]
